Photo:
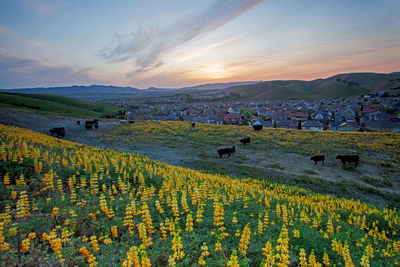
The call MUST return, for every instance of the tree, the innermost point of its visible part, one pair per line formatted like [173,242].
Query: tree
[333,116]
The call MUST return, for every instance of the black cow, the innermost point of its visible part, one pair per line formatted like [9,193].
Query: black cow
[89,124]
[245,141]
[318,158]
[257,127]
[131,121]
[228,150]
[193,124]
[349,159]
[78,122]
[58,131]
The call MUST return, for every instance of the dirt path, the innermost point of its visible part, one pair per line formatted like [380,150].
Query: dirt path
[248,161]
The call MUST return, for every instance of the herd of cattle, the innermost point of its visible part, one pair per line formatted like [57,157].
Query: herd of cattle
[59,132]
[343,158]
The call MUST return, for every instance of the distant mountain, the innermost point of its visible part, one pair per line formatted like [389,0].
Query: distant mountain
[78,90]
[341,85]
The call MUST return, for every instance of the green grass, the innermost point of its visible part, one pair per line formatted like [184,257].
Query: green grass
[57,105]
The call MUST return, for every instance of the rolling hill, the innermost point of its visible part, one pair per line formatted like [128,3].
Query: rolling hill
[57,105]
[338,86]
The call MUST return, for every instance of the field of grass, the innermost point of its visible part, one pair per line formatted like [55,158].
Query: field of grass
[72,204]
[57,105]
[268,155]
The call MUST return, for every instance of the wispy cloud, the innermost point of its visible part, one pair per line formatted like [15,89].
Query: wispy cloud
[147,46]
[25,72]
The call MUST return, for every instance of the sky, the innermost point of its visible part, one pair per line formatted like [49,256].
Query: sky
[177,43]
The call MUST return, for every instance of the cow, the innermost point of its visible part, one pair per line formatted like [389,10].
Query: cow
[318,158]
[228,150]
[245,141]
[78,122]
[193,124]
[131,121]
[89,124]
[349,159]
[257,127]
[58,131]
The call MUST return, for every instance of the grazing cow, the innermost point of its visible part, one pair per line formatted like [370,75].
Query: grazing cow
[245,141]
[58,131]
[131,121]
[349,159]
[78,122]
[193,124]
[89,124]
[228,150]
[318,158]
[257,127]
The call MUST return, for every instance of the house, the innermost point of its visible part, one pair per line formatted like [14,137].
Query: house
[312,125]
[321,115]
[349,115]
[213,119]
[294,124]
[377,115]
[233,111]
[348,127]
[299,116]
[371,108]
[334,125]
[284,124]
[380,125]
[220,112]
[233,119]
[268,123]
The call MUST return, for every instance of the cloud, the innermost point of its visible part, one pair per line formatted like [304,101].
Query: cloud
[147,46]
[24,72]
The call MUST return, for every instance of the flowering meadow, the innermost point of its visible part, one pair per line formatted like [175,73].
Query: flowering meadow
[67,204]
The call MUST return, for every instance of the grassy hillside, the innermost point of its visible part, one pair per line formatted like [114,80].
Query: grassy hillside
[66,203]
[57,105]
[339,86]
[276,154]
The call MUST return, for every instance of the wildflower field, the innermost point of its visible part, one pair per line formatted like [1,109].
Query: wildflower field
[63,203]
[376,180]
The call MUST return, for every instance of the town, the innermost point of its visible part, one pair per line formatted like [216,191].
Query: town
[373,112]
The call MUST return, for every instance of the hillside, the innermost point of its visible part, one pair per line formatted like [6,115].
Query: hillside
[72,204]
[338,86]
[341,85]
[57,105]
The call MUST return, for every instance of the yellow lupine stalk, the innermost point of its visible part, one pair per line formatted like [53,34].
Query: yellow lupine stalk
[189,223]
[268,252]
[283,248]
[91,259]
[233,260]
[114,231]
[245,239]
[177,247]
[303,258]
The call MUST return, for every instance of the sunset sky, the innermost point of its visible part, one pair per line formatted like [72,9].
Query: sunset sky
[176,43]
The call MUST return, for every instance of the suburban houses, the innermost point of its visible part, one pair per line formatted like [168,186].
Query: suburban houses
[370,112]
